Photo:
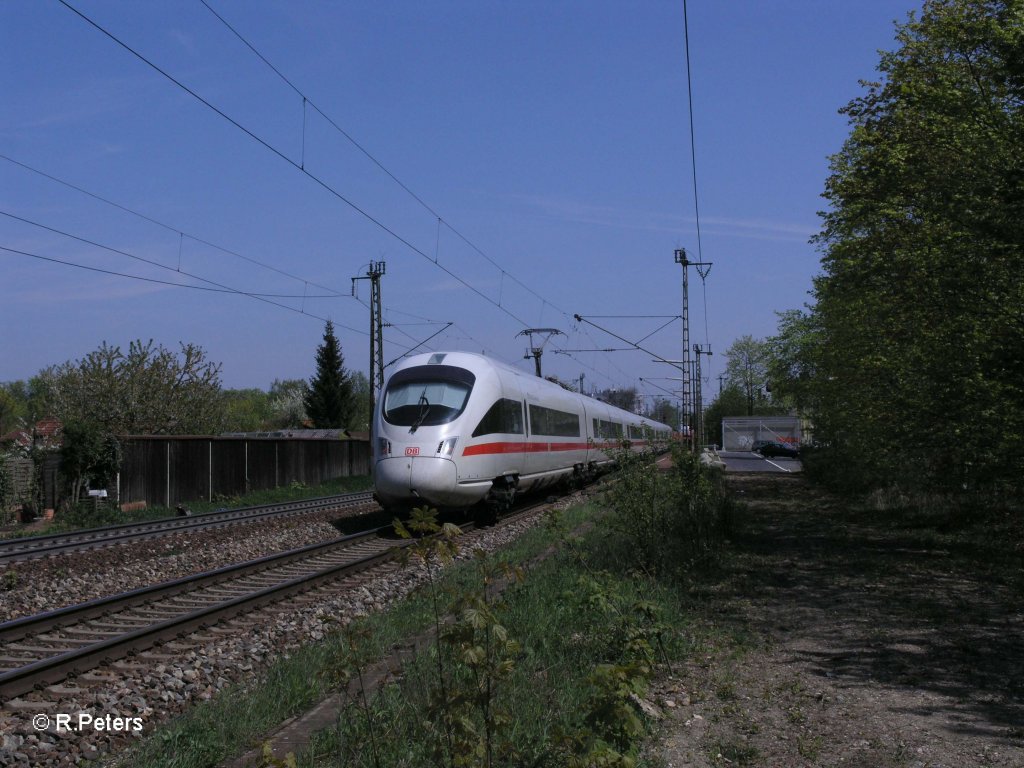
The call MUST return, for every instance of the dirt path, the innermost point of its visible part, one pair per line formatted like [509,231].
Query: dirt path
[834,638]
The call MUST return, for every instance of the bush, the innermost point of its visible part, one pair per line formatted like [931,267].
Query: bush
[669,520]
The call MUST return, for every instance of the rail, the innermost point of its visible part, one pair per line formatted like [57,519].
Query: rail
[30,547]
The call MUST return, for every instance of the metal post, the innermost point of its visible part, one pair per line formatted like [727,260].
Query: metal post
[689,411]
[681,258]
[536,350]
[374,273]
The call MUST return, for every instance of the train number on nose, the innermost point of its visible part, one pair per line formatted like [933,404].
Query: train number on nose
[414,451]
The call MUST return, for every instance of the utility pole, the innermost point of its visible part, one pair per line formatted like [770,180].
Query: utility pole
[536,350]
[698,389]
[689,412]
[374,273]
[581,383]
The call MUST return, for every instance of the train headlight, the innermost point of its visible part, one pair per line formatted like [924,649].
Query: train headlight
[383,447]
[447,447]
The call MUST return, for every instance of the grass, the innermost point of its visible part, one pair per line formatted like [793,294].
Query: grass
[87,516]
[560,625]
[238,717]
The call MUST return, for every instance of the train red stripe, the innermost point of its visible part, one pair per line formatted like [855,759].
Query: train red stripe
[520,447]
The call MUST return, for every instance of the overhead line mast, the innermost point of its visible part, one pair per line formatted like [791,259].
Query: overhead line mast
[374,273]
[691,417]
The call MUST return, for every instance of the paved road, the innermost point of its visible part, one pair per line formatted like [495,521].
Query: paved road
[746,461]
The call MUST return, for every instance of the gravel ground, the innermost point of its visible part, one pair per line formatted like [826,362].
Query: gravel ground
[835,637]
[34,586]
[160,686]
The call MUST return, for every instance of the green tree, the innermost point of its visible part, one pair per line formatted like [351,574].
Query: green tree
[731,401]
[329,399]
[247,410]
[360,421]
[746,369]
[88,455]
[287,403]
[146,390]
[792,360]
[620,398]
[9,410]
[918,365]
[22,403]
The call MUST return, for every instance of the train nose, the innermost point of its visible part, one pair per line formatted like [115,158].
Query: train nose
[404,478]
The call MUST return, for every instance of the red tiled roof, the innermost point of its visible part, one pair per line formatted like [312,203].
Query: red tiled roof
[47,432]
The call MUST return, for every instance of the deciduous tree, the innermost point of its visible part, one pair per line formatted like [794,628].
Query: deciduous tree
[147,390]
[746,369]
[918,365]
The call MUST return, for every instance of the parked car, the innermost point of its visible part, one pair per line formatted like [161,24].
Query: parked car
[768,449]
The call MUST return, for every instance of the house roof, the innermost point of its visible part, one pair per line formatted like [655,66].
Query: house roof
[47,432]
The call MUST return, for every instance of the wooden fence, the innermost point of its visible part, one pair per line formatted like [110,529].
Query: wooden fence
[166,471]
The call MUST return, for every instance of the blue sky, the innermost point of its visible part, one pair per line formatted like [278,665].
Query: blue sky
[550,136]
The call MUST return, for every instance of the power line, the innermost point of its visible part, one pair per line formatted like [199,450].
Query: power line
[160,282]
[327,187]
[151,262]
[693,159]
[440,219]
[307,100]
[178,231]
[168,227]
[693,150]
[287,159]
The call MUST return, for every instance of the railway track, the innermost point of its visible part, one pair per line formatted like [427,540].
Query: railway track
[45,648]
[30,547]
[41,650]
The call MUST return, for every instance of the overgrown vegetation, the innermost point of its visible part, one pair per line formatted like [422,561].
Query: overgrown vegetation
[665,522]
[541,661]
[911,362]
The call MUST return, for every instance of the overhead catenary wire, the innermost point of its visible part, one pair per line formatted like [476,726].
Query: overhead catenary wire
[426,206]
[157,264]
[351,139]
[165,282]
[300,166]
[169,227]
[334,293]
[270,147]
[693,160]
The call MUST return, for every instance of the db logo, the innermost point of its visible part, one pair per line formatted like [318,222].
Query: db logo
[412,451]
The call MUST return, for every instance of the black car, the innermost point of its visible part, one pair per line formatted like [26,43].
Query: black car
[767,449]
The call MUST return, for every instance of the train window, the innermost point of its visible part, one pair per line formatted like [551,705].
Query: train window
[548,421]
[427,395]
[607,430]
[636,432]
[504,417]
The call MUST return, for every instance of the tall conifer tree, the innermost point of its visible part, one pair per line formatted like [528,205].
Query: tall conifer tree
[329,396]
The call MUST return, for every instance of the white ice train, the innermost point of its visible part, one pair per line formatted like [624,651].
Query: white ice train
[454,428]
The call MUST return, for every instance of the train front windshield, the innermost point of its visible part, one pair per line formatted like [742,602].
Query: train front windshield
[427,395]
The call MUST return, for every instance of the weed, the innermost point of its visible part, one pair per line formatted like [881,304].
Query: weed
[809,746]
[9,580]
[726,690]
[670,521]
[734,753]
[796,715]
[269,761]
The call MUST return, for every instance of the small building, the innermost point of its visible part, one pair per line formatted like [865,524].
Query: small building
[739,433]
